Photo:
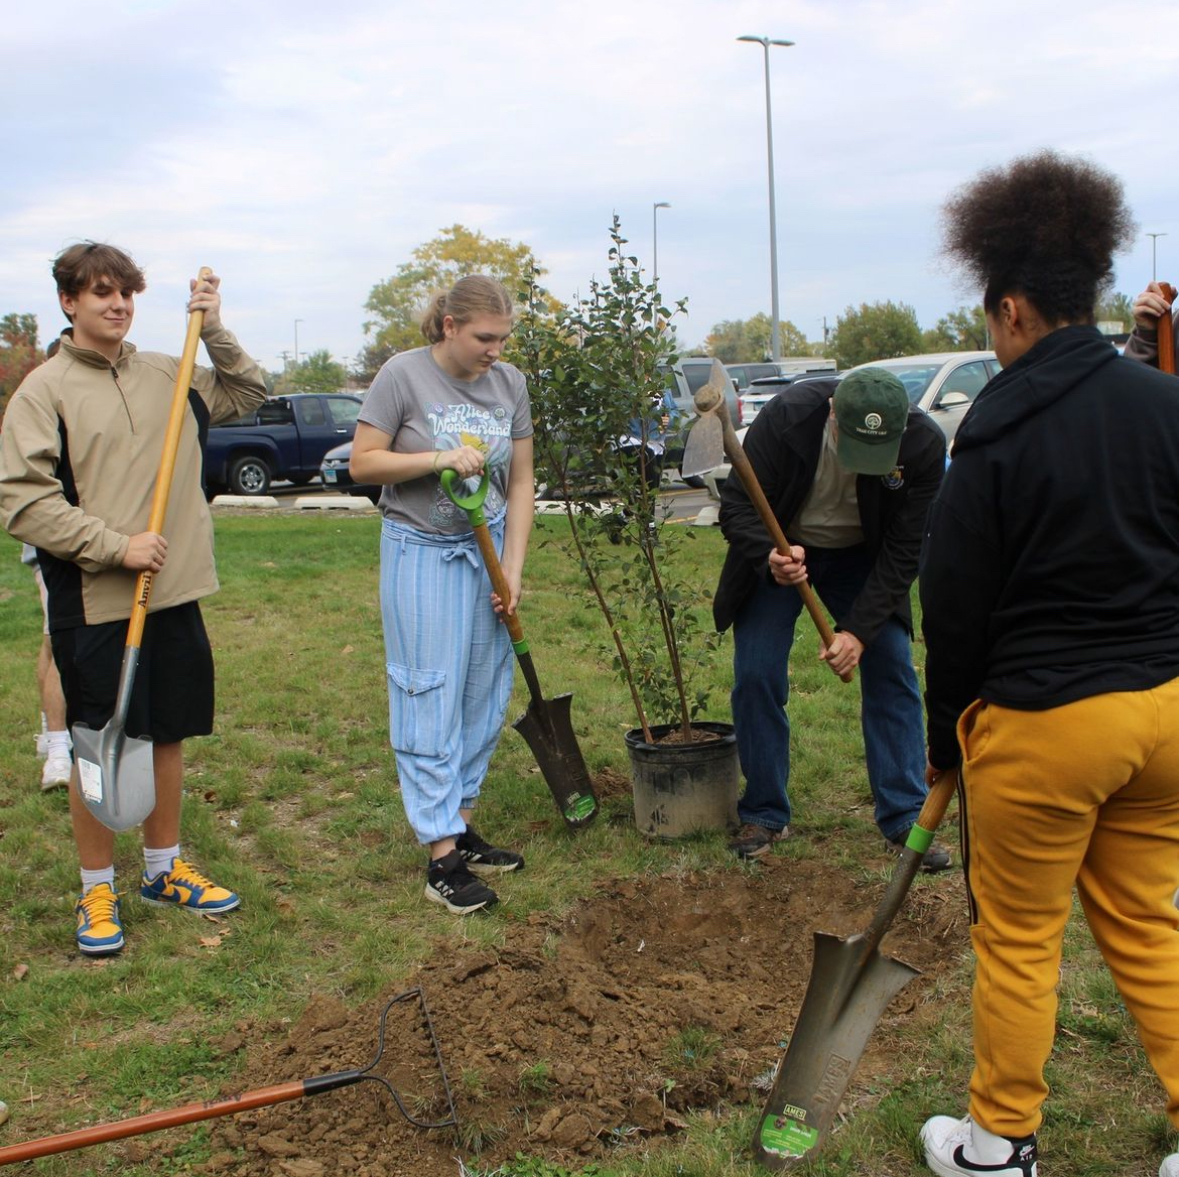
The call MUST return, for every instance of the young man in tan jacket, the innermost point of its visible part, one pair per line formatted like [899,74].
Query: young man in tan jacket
[79,455]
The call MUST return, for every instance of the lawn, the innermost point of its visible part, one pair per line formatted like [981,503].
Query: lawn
[293,802]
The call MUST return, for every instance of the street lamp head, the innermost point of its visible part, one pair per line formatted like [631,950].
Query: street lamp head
[764,41]
[661,204]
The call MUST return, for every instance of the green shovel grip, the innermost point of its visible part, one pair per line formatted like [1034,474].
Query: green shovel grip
[472,503]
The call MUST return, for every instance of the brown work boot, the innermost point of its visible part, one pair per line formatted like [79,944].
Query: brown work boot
[755,841]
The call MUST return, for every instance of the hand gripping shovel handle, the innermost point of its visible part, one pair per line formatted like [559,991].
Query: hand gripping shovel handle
[745,472]
[1166,332]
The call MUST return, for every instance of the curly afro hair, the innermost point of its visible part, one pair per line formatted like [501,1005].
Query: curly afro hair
[1045,226]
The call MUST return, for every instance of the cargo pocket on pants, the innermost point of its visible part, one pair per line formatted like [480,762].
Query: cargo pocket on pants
[416,709]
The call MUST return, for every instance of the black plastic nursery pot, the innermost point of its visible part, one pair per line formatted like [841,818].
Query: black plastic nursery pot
[684,788]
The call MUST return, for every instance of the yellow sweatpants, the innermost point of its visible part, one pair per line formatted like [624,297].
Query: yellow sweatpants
[1088,795]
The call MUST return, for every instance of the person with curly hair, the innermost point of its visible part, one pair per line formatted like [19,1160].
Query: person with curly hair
[1050,594]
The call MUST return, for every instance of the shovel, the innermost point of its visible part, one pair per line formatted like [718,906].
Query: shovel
[850,987]
[116,775]
[546,725]
[710,441]
[1166,333]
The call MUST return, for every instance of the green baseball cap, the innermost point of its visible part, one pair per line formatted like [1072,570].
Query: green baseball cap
[871,409]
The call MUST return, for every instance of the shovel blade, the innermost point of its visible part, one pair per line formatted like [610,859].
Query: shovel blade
[845,998]
[116,775]
[548,730]
[705,447]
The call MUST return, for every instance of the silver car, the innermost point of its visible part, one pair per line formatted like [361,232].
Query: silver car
[944,384]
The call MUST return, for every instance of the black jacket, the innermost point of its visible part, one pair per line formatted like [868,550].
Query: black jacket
[1051,566]
[783,446]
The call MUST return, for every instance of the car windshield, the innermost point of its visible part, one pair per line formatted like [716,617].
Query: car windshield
[915,377]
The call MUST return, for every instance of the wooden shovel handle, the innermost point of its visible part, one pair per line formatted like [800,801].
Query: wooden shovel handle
[1166,332]
[163,487]
[499,582]
[744,471]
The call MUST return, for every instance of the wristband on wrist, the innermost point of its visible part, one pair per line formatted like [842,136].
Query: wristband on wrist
[437,455]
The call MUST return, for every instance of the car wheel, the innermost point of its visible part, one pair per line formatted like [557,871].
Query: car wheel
[249,476]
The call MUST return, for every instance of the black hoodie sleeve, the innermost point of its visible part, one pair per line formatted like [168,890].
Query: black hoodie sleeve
[960,583]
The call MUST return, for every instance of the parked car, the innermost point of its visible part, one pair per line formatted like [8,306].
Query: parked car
[747,375]
[763,390]
[335,475]
[944,384]
[285,438]
[684,379]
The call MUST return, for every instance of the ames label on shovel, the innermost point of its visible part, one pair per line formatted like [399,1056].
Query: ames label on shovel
[784,1136]
[90,779]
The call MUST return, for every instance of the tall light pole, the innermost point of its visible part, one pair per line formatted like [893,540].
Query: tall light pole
[775,332]
[297,322]
[1154,275]
[655,257]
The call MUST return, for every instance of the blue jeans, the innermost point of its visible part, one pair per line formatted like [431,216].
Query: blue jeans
[890,711]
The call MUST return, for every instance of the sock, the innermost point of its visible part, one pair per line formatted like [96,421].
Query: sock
[91,878]
[44,724]
[158,859]
[58,742]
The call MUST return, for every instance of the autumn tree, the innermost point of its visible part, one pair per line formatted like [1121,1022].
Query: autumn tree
[397,303]
[747,341]
[962,330]
[19,353]
[874,332]
[317,373]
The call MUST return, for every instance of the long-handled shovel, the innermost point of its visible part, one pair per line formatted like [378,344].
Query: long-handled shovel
[116,776]
[711,440]
[1166,333]
[850,987]
[259,1098]
[546,725]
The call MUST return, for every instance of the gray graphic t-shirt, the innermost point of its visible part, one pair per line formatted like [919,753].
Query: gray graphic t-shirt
[422,408]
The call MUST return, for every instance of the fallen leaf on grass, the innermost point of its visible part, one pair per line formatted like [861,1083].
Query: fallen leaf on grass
[210,941]
[20,972]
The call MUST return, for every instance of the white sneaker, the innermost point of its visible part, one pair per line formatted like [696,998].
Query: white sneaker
[1170,1166]
[56,773]
[954,1147]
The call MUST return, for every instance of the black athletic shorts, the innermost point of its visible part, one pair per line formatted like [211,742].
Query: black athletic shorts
[172,697]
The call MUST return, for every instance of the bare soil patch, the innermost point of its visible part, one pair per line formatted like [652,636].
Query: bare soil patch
[583,1035]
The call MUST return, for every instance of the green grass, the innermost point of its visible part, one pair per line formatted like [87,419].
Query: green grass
[293,800]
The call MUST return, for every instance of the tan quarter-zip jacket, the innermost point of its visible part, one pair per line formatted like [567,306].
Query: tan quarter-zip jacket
[80,451]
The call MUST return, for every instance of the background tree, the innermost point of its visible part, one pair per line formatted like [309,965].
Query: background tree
[747,341]
[1117,308]
[19,353]
[397,303]
[962,330]
[317,373]
[874,332]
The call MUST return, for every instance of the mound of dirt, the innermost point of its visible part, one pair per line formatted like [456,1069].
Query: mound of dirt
[584,1035]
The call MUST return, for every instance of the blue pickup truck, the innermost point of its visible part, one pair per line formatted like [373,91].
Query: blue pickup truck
[284,440]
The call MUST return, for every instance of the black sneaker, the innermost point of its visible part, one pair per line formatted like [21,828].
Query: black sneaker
[936,858]
[755,841]
[450,883]
[484,859]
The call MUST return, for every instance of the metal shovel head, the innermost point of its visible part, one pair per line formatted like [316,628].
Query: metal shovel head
[548,731]
[705,447]
[844,1000]
[116,775]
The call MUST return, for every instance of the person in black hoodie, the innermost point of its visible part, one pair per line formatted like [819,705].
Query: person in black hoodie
[849,470]
[1050,599]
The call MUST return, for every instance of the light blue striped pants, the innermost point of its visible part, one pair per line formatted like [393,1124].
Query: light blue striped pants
[449,664]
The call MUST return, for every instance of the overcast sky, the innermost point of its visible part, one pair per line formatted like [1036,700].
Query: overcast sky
[303,149]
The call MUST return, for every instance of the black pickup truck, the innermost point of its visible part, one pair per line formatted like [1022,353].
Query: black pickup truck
[284,440]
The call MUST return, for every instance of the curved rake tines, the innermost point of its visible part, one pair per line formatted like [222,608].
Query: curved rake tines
[369,1075]
[258,1098]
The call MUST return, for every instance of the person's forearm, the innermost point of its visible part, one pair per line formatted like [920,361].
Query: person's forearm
[518,527]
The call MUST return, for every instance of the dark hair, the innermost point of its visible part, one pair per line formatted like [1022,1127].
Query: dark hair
[474,295]
[1045,226]
[75,268]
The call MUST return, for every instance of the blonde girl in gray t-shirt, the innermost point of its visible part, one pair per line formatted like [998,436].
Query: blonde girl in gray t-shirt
[452,405]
